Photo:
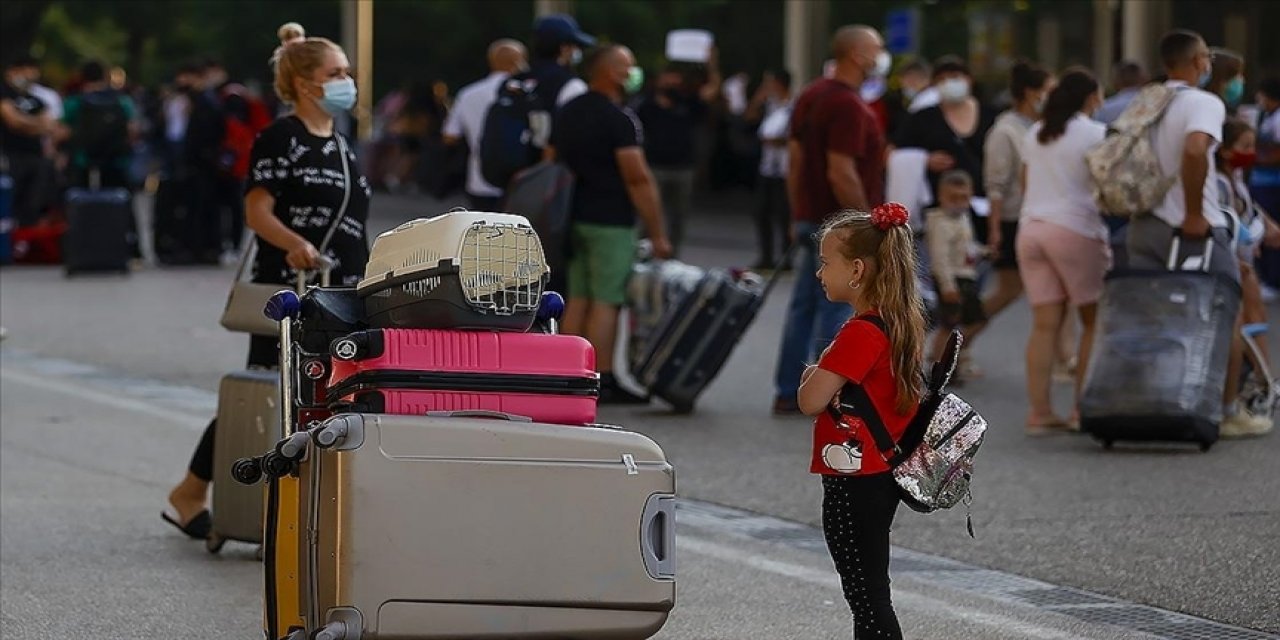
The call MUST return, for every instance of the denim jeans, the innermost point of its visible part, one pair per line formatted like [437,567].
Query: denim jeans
[812,320]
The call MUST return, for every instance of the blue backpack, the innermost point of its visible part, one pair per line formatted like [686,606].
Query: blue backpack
[517,127]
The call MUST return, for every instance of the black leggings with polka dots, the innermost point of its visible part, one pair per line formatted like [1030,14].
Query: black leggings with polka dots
[857,512]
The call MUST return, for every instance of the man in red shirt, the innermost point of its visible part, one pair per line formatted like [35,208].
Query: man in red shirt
[837,162]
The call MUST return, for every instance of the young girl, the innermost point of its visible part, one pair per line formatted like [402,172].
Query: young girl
[1235,156]
[866,261]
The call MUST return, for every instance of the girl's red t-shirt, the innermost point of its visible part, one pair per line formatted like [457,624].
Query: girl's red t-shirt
[860,354]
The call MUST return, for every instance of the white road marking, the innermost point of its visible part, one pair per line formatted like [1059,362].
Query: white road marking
[901,596]
[83,391]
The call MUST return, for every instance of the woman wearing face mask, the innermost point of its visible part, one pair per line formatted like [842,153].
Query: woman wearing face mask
[1002,166]
[303,174]
[1226,78]
[1235,157]
[954,132]
[1062,247]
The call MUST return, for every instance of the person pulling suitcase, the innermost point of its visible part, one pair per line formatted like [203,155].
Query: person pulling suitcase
[291,213]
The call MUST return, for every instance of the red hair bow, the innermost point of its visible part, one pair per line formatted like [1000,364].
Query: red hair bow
[889,215]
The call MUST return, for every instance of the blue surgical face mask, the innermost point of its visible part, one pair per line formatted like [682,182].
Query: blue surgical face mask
[575,58]
[1205,78]
[1234,91]
[339,96]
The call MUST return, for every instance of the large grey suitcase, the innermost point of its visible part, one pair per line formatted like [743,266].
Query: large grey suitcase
[248,424]
[420,528]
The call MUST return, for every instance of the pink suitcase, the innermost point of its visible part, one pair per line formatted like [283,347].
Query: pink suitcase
[548,378]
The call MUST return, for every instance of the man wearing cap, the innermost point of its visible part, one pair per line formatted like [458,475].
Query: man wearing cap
[557,48]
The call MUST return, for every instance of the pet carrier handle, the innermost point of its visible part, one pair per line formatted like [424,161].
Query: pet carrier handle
[479,413]
[445,267]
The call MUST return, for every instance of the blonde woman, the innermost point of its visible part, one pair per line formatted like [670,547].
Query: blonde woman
[305,196]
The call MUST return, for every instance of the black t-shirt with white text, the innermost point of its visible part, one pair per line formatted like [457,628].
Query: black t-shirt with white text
[589,131]
[303,172]
[15,143]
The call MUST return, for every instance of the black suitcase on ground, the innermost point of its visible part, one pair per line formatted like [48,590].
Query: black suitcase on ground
[100,231]
[696,336]
[1160,356]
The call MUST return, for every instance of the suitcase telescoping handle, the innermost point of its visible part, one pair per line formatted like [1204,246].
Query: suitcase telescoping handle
[304,276]
[283,307]
[1201,263]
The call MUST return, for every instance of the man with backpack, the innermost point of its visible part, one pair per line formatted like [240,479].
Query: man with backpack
[1183,140]
[517,128]
[465,123]
[103,125]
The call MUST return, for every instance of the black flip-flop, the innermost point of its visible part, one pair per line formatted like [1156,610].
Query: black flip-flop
[198,528]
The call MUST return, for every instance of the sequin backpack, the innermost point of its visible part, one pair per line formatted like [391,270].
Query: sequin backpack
[933,461]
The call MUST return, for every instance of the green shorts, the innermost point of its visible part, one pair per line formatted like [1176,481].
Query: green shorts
[600,262]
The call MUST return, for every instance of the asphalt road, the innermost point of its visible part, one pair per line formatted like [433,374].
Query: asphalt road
[107,381]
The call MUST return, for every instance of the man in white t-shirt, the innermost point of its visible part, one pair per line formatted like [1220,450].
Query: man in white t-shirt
[1184,142]
[466,119]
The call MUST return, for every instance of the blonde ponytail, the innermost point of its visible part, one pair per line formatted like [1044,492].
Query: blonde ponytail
[891,290]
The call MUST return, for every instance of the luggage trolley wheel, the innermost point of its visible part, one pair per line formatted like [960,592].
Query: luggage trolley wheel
[214,543]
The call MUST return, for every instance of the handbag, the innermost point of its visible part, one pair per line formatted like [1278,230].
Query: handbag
[932,464]
[246,300]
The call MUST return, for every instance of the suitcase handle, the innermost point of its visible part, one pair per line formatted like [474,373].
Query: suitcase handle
[658,536]
[479,413]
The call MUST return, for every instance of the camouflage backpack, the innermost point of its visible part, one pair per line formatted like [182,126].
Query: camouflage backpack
[1127,178]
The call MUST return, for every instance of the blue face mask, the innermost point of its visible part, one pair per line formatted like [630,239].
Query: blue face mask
[1205,78]
[1234,91]
[339,96]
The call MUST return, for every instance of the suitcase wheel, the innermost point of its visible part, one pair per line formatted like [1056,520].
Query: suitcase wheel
[214,543]
[1108,444]
[1205,446]
[260,553]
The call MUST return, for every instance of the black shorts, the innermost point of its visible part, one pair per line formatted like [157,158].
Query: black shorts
[1008,257]
[964,313]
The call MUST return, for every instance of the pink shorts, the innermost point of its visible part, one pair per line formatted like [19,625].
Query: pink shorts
[1058,264]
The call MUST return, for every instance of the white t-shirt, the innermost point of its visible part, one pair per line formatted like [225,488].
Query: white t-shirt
[1059,186]
[52,101]
[571,89]
[1192,111]
[773,128]
[466,120]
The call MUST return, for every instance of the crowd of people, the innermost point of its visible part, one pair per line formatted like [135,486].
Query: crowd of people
[999,203]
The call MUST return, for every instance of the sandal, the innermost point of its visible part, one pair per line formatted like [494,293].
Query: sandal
[197,528]
[1053,425]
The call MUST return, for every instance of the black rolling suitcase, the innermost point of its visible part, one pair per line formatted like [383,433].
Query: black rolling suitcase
[1159,362]
[101,232]
[683,353]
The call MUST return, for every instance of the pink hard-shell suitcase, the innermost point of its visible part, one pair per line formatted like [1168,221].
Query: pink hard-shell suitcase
[548,378]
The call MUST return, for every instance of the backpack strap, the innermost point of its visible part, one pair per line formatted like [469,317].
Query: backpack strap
[853,400]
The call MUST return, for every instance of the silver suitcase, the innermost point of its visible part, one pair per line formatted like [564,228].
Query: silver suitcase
[248,424]
[421,528]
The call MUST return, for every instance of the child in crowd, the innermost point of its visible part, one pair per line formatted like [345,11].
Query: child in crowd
[1235,156]
[954,256]
[868,262]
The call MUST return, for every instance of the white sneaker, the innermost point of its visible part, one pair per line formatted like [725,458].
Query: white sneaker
[1243,425]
